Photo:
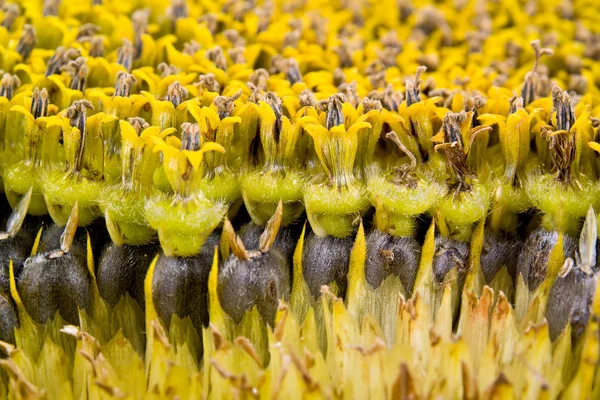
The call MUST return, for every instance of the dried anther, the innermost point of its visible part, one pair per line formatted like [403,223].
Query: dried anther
[124,84]
[209,83]
[350,90]
[275,102]
[77,114]
[126,54]
[191,47]
[139,21]
[11,12]
[307,99]
[390,99]
[516,104]
[225,104]
[234,37]
[51,7]
[178,9]
[8,85]
[176,93]
[532,78]
[562,105]
[237,55]
[450,142]
[39,103]
[87,31]
[26,42]
[190,136]
[217,56]
[97,46]
[77,70]
[413,94]
[291,39]
[259,78]
[138,123]
[166,70]
[404,173]
[333,108]
[210,21]
[61,57]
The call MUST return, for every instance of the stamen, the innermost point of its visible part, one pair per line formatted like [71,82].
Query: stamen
[208,83]
[453,149]
[166,70]
[77,114]
[191,47]
[124,84]
[78,70]
[291,39]
[126,54]
[217,57]
[88,30]
[51,7]
[178,9]
[516,104]
[532,78]
[333,107]
[26,42]
[413,92]
[176,93]
[97,46]
[371,104]
[138,123]
[225,104]
[139,21]
[307,99]
[292,71]
[11,12]
[39,103]
[60,58]
[339,77]
[565,113]
[190,136]
[234,37]
[275,102]
[237,55]
[9,85]
[210,21]
[350,90]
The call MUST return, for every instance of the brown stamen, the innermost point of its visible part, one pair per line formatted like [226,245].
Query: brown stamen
[176,93]
[39,103]
[26,42]
[9,85]
[124,84]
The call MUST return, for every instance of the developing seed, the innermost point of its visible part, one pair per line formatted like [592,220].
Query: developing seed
[387,255]
[122,270]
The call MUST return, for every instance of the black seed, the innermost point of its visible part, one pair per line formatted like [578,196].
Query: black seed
[180,285]
[122,269]
[499,250]
[51,283]
[325,261]
[8,318]
[571,299]
[533,259]
[450,254]
[388,255]
[261,281]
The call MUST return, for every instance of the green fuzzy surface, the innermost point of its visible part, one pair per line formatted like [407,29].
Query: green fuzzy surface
[183,227]
[62,191]
[563,204]
[18,179]
[222,188]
